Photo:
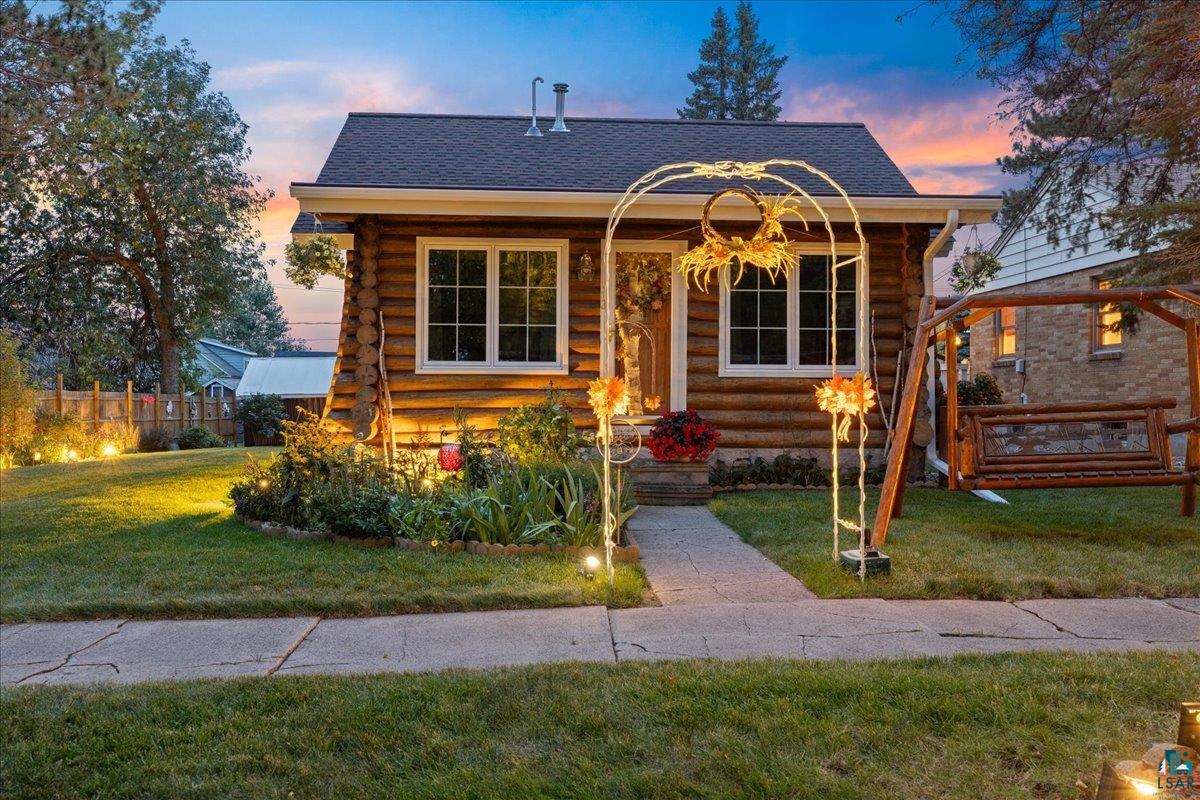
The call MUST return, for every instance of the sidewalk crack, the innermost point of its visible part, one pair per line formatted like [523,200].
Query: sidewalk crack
[288,653]
[69,656]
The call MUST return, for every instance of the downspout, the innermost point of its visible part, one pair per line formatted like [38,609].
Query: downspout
[931,452]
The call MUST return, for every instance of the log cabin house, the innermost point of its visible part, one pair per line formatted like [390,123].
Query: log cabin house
[478,246]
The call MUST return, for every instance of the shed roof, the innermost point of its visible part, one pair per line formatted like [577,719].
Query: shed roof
[441,151]
[288,376]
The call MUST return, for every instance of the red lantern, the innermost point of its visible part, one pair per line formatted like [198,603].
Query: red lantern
[450,458]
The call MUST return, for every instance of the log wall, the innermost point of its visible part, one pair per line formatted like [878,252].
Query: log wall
[758,413]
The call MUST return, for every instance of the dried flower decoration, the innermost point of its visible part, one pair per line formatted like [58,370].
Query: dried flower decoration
[767,249]
[608,397]
[846,398]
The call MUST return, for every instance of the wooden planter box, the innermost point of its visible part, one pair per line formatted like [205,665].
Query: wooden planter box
[670,483]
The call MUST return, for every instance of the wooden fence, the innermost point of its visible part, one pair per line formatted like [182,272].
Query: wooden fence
[174,412]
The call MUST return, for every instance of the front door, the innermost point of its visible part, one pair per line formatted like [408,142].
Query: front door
[647,343]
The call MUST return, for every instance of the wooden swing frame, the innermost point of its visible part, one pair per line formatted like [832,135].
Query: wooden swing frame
[1151,467]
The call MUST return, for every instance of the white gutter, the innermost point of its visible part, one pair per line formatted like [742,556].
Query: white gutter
[352,200]
[931,451]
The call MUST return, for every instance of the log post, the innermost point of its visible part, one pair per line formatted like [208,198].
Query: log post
[129,403]
[1192,459]
[157,403]
[203,417]
[893,482]
[952,406]
[95,405]
[365,414]
[58,394]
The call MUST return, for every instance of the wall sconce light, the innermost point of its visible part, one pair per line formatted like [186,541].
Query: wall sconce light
[586,270]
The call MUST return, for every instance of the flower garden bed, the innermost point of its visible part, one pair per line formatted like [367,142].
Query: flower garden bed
[625,553]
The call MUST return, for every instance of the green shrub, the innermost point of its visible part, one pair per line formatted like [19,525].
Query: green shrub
[156,440]
[983,391]
[481,461]
[310,455]
[198,437]
[354,500]
[421,517]
[18,403]
[58,438]
[785,468]
[538,432]
[261,416]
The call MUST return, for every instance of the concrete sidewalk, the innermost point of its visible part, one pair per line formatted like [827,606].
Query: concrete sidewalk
[720,597]
[134,651]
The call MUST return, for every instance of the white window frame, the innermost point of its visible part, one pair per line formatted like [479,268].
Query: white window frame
[791,369]
[492,365]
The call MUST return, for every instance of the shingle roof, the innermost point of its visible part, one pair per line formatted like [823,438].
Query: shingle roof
[307,223]
[489,152]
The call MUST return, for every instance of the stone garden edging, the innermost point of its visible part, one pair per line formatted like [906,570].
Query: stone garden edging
[620,553]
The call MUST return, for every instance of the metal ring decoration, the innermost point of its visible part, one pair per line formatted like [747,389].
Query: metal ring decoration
[630,443]
[706,226]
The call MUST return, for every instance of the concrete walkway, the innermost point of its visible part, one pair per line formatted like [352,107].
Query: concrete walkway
[721,599]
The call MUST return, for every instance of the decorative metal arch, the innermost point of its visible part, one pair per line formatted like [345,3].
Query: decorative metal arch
[749,171]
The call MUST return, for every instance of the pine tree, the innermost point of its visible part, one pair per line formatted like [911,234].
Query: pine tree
[714,77]
[755,70]
[738,77]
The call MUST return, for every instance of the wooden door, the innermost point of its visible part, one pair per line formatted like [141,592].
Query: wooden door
[643,352]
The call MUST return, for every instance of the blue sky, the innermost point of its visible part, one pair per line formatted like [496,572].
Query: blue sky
[294,69]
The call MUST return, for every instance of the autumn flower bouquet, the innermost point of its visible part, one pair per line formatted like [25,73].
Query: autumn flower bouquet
[683,436]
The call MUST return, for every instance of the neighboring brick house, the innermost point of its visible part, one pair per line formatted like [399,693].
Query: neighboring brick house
[1056,354]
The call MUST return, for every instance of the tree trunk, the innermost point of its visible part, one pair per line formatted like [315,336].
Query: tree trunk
[169,362]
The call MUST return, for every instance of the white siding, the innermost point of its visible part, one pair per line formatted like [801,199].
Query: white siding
[1027,255]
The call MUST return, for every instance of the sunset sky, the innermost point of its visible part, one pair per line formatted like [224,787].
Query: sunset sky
[294,69]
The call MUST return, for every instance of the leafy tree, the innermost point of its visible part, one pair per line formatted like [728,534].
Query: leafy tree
[148,202]
[1103,95]
[254,320]
[738,76]
[52,66]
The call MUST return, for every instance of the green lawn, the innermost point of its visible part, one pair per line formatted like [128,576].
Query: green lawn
[986,727]
[1053,543]
[151,536]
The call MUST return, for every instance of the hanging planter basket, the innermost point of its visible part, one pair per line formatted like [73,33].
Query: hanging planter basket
[767,249]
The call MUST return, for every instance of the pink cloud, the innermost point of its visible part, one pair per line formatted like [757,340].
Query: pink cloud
[943,146]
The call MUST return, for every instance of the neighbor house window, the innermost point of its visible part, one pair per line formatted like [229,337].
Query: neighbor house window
[491,306]
[783,327]
[1006,333]
[1105,339]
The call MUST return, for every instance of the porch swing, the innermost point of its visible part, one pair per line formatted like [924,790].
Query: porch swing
[1050,445]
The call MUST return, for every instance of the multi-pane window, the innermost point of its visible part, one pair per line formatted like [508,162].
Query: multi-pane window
[1106,337]
[528,305]
[457,305]
[1006,332]
[758,319]
[784,326]
[495,305]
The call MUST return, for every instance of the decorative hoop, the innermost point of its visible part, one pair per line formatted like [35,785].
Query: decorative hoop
[711,233]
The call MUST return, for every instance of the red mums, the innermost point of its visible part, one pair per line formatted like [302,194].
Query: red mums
[683,436]
[450,458]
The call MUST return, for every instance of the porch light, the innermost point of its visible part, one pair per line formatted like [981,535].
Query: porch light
[586,271]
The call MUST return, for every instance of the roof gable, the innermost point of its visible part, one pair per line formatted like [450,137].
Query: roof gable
[601,155]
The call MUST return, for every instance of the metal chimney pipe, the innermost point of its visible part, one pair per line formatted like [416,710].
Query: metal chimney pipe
[534,130]
[560,101]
